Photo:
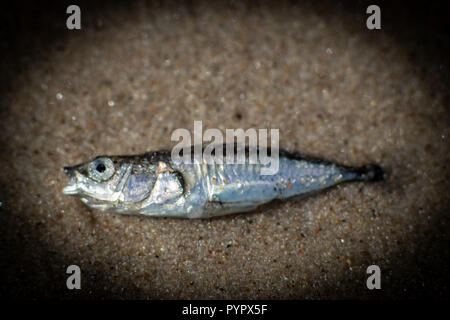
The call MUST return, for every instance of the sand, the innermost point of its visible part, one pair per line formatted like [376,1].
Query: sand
[135,73]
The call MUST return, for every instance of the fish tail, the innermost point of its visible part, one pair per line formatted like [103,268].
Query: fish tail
[369,172]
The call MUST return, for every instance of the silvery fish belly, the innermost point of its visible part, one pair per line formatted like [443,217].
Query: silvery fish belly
[154,185]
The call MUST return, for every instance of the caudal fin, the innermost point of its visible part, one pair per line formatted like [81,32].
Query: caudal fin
[369,172]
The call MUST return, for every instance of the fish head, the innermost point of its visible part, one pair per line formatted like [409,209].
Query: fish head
[123,183]
[99,182]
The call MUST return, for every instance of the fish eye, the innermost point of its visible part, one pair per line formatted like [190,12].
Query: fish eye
[101,169]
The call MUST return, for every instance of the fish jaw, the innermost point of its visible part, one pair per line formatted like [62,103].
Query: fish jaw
[70,190]
[72,187]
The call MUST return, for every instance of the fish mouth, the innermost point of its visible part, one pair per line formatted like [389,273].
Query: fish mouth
[71,188]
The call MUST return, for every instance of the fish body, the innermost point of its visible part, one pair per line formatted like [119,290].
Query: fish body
[154,185]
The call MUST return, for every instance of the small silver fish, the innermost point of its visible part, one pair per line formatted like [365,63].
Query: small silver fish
[152,184]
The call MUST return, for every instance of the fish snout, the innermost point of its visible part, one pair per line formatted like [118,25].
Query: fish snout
[68,170]
[71,188]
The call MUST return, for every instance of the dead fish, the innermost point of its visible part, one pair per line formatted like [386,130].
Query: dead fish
[152,184]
